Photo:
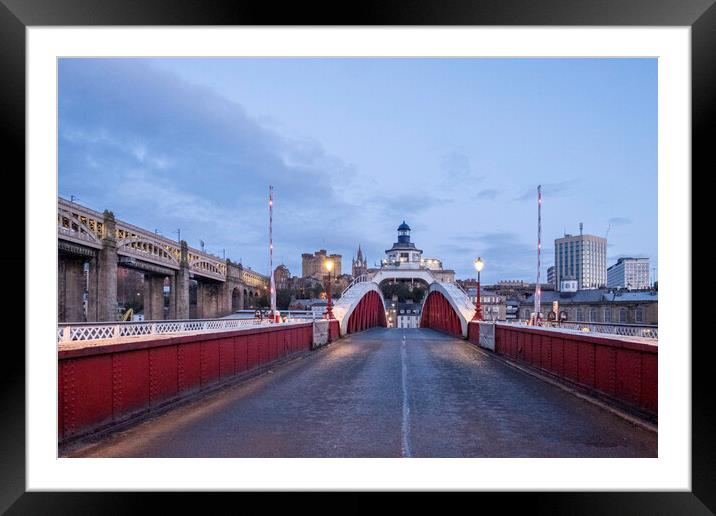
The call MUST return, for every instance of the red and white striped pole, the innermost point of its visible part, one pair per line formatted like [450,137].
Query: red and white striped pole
[273,285]
[538,286]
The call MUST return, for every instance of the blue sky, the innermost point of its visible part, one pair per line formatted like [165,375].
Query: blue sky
[456,147]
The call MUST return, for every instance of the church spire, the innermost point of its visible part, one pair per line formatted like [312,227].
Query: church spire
[359,263]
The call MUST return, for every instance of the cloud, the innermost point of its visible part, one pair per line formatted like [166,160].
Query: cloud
[457,170]
[456,249]
[559,189]
[170,154]
[619,221]
[487,194]
[401,206]
[506,255]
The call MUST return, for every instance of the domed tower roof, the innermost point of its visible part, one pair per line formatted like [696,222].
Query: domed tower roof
[403,242]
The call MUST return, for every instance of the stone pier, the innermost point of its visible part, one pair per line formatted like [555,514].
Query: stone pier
[153,297]
[70,288]
[107,285]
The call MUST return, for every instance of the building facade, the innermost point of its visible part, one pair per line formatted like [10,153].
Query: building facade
[312,264]
[629,273]
[552,276]
[512,309]
[512,289]
[583,257]
[282,277]
[598,306]
[408,315]
[467,283]
[494,306]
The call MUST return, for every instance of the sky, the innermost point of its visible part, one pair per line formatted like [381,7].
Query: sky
[354,146]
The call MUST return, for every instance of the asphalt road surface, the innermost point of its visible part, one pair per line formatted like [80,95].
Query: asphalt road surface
[385,393]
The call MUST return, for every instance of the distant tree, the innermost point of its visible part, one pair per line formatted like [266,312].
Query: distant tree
[261,301]
[283,298]
[404,290]
[316,291]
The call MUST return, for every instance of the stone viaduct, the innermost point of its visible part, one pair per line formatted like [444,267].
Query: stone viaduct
[92,245]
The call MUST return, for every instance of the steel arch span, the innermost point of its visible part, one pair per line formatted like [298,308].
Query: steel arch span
[360,307]
[368,313]
[448,309]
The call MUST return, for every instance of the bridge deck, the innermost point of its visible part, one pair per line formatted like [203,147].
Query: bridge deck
[371,395]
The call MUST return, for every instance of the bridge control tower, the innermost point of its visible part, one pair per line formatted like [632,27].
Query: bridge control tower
[405,259]
[403,254]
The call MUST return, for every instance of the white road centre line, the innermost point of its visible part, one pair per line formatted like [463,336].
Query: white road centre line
[406,407]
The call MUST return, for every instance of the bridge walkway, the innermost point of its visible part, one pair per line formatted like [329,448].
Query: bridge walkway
[385,393]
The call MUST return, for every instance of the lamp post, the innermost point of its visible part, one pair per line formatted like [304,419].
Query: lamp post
[328,264]
[479,264]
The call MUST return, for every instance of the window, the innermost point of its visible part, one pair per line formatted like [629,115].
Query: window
[623,316]
[607,315]
[526,313]
[579,314]
[639,315]
[593,315]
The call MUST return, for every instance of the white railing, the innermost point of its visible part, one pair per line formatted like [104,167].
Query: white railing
[251,314]
[359,279]
[462,301]
[298,314]
[626,330]
[68,332]
[462,289]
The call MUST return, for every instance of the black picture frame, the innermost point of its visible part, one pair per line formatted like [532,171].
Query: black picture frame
[16,15]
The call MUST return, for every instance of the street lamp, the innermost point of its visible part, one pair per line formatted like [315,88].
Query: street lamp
[479,264]
[328,264]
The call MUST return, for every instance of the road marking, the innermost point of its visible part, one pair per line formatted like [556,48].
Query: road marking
[406,407]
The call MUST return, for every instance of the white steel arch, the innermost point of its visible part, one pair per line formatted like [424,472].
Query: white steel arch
[458,299]
[344,307]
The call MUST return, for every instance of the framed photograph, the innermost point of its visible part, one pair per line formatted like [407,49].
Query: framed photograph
[415,250]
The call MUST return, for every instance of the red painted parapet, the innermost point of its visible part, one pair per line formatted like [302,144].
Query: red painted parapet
[439,314]
[368,313]
[100,386]
[473,332]
[621,369]
[334,330]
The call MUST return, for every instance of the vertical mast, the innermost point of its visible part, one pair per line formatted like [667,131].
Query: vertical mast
[273,285]
[538,286]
